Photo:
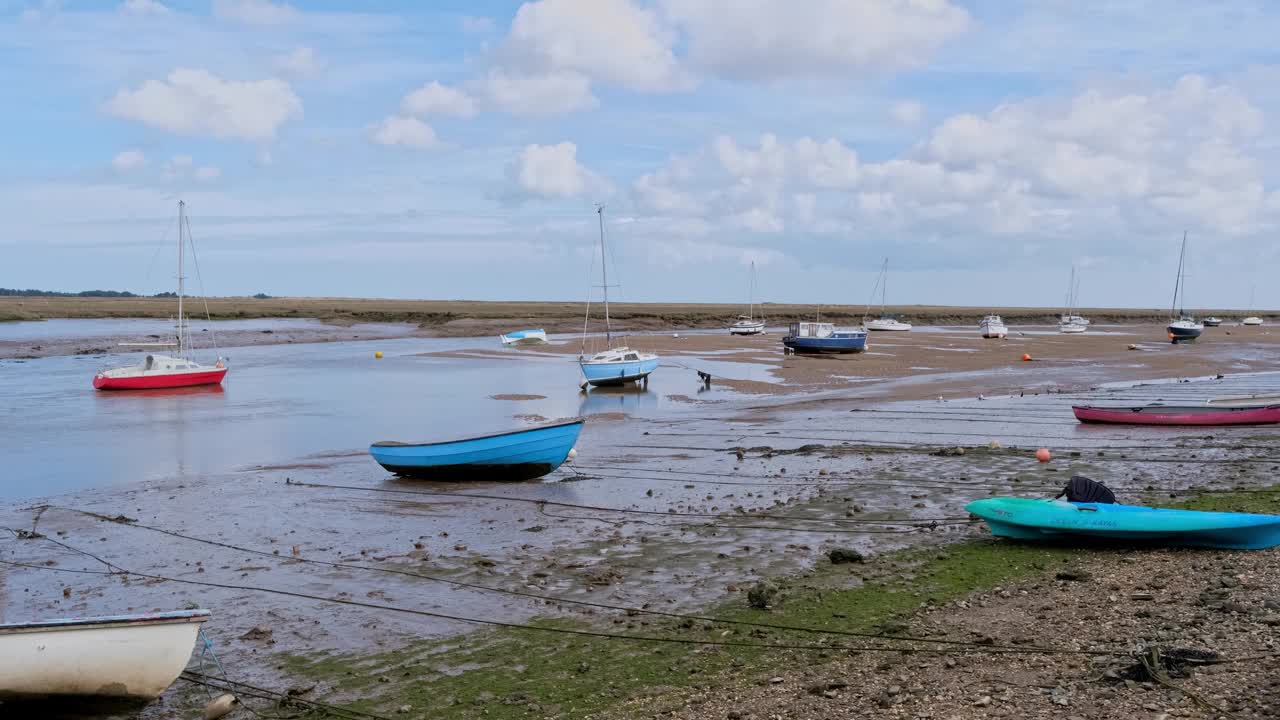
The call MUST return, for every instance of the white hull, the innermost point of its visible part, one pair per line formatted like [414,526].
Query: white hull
[526,337]
[129,658]
[887,325]
[1071,328]
[746,328]
[992,327]
[1251,321]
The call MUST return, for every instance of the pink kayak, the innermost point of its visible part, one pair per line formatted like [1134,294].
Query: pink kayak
[1157,414]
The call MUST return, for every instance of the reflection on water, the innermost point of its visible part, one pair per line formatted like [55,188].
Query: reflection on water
[634,400]
[283,403]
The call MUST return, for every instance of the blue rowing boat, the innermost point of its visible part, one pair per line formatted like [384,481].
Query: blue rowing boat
[512,455]
[820,337]
[1029,519]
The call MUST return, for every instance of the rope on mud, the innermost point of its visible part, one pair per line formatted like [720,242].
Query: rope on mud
[284,699]
[984,650]
[915,523]
[549,598]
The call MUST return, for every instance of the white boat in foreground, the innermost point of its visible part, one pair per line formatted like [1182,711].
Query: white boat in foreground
[132,657]
[992,326]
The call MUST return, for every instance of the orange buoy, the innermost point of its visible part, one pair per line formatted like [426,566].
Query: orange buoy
[1026,357]
[1043,455]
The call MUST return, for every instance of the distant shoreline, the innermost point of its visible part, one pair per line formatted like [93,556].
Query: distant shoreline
[473,318]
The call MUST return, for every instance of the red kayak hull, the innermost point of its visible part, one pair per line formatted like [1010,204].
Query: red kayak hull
[150,382]
[1169,415]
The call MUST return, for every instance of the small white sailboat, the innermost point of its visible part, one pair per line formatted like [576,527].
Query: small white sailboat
[132,657]
[884,323]
[616,365]
[992,327]
[748,324]
[1184,328]
[1252,320]
[1071,323]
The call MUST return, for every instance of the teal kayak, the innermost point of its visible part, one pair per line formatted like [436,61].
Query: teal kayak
[1030,519]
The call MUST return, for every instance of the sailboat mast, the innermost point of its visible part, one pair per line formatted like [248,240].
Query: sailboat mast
[604,274]
[182,221]
[1177,284]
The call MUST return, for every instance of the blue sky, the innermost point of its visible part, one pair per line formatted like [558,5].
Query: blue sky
[454,149]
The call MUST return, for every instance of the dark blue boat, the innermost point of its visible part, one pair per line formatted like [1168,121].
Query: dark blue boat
[820,337]
[513,455]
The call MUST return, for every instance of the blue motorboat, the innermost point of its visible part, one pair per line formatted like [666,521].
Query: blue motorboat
[820,337]
[511,455]
[524,337]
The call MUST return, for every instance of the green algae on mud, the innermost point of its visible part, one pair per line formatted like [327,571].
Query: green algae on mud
[536,672]
[516,673]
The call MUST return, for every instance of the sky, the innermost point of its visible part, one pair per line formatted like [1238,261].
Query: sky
[456,149]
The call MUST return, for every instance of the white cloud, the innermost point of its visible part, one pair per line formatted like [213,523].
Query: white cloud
[144,7]
[616,41]
[399,130]
[765,39]
[908,112]
[128,160]
[436,99]
[553,171]
[255,12]
[299,62]
[539,94]
[206,174]
[196,102]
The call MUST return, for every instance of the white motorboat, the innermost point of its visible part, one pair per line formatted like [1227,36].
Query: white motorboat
[992,326]
[134,657]
[887,324]
[1251,320]
[524,337]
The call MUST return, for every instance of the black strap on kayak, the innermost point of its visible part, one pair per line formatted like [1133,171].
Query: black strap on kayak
[1083,490]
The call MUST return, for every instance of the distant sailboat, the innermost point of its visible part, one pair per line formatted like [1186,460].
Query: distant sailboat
[1071,322]
[748,324]
[165,371]
[1184,328]
[884,322]
[617,365]
[1252,319]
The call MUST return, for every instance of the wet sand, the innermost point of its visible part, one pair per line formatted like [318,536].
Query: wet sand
[683,513]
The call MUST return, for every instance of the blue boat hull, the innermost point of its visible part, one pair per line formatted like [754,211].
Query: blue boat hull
[850,343]
[516,455]
[1024,519]
[605,374]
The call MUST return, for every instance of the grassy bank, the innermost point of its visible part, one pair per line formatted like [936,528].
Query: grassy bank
[470,317]
[513,673]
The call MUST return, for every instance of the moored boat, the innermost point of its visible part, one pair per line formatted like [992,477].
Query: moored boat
[992,327]
[126,657]
[522,454]
[1251,320]
[748,324]
[886,322]
[1211,321]
[615,365]
[166,371]
[1070,322]
[524,337]
[1032,519]
[1159,414]
[1184,328]
[820,337]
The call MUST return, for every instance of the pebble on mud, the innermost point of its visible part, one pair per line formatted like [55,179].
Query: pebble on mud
[762,595]
[843,556]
